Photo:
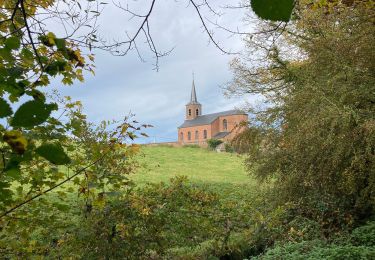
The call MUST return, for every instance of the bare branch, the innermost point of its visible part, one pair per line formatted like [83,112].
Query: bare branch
[29,33]
[207,30]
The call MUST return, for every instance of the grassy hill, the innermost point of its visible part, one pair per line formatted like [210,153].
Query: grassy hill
[223,173]
[160,163]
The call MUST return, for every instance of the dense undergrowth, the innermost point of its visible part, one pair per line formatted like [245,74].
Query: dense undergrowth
[183,220]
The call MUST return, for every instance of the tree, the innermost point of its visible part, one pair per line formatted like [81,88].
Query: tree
[40,152]
[317,77]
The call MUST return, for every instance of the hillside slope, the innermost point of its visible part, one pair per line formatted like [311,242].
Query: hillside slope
[161,163]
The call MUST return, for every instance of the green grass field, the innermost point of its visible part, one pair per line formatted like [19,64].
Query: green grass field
[217,170]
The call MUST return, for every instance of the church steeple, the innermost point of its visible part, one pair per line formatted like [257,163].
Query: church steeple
[193,98]
[193,108]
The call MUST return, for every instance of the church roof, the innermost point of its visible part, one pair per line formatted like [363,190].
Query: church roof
[193,97]
[209,118]
[220,135]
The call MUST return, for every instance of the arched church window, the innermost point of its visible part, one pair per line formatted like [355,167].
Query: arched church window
[182,136]
[196,135]
[225,125]
[197,112]
[189,136]
[205,134]
[189,112]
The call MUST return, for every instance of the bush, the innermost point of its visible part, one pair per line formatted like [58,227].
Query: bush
[364,235]
[229,148]
[148,221]
[318,249]
[360,244]
[213,143]
[180,220]
[318,130]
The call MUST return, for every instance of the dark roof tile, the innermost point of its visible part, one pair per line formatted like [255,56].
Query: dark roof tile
[220,135]
[209,118]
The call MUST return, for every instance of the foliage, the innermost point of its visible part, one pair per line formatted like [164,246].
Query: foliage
[179,220]
[42,151]
[245,141]
[213,143]
[274,10]
[29,60]
[37,194]
[228,148]
[364,235]
[324,159]
[318,250]
[316,140]
[47,158]
[147,222]
[357,245]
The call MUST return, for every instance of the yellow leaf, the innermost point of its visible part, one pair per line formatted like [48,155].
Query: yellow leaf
[16,141]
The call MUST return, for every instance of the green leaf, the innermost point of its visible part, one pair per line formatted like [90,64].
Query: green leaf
[53,153]
[6,54]
[5,109]
[62,207]
[14,162]
[37,95]
[14,173]
[27,56]
[32,113]
[274,10]
[12,43]
[60,43]
[15,72]
[12,168]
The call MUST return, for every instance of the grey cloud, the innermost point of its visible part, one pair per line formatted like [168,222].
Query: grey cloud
[124,84]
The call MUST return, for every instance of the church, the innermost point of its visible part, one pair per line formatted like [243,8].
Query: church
[198,128]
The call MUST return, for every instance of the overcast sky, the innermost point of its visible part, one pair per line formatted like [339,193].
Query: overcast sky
[126,84]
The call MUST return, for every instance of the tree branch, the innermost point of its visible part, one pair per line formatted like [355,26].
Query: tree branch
[29,33]
[52,188]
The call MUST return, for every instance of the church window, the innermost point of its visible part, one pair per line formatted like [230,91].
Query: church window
[205,134]
[189,136]
[196,135]
[225,125]
[189,112]
[197,112]
[182,136]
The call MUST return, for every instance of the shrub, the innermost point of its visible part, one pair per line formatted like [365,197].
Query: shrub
[318,249]
[213,143]
[360,244]
[364,235]
[229,148]
[318,124]
[148,221]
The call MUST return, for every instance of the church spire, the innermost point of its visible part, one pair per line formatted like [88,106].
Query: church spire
[193,98]
[193,108]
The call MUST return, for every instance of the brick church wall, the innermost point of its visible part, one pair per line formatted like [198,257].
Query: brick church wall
[212,129]
[192,130]
[215,126]
[232,122]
